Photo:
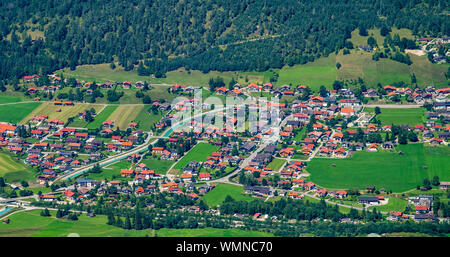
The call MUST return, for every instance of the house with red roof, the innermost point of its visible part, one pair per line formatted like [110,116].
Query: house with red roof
[204,176]
[68,194]
[126,173]
[347,111]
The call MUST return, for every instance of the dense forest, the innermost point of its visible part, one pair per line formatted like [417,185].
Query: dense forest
[41,36]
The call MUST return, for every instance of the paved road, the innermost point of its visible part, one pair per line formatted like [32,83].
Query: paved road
[110,160]
[247,160]
[138,149]
[243,164]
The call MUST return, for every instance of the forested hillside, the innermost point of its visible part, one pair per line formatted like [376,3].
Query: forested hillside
[41,36]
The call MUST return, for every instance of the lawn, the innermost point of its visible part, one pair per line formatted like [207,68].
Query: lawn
[394,204]
[299,134]
[401,172]
[50,110]
[14,113]
[25,224]
[314,74]
[9,99]
[159,166]
[146,120]
[111,172]
[197,153]
[125,114]
[101,117]
[14,171]
[276,164]
[219,193]
[411,116]
[103,73]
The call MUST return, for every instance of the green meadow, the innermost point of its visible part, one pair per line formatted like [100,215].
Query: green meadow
[146,119]
[14,113]
[9,99]
[387,170]
[14,171]
[219,193]
[412,116]
[111,172]
[197,153]
[276,164]
[394,204]
[103,73]
[159,166]
[31,224]
[101,117]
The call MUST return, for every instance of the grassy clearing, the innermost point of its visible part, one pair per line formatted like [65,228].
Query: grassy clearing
[14,171]
[197,153]
[146,120]
[363,169]
[101,117]
[276,164]
[103,73]
[14,113]
[50,110]
[124,114]
[111,172]
[159,166]
[219,193]
[320,72]
[412,116]
[394,204]
[358,40]
[9,99]
[25,224]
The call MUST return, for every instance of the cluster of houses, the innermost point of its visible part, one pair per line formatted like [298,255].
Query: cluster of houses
[57,149]
[432,46]
[143,182]
[55,80]
[322,140]
[423,207]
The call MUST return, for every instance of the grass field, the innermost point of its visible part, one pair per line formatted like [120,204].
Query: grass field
[26,224]
[14,113]
[197,153]
[402,173]
[9,99]
[101,117]
[314,74]
[49,109]
[219,193]
[146,120]
[125,114]
[103,73]
[410,117]
[394,204]
[299,135]
[276,164]
[14,171]
[159,166]
[111,171]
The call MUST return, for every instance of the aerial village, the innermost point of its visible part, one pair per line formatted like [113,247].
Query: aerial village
[331,124]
